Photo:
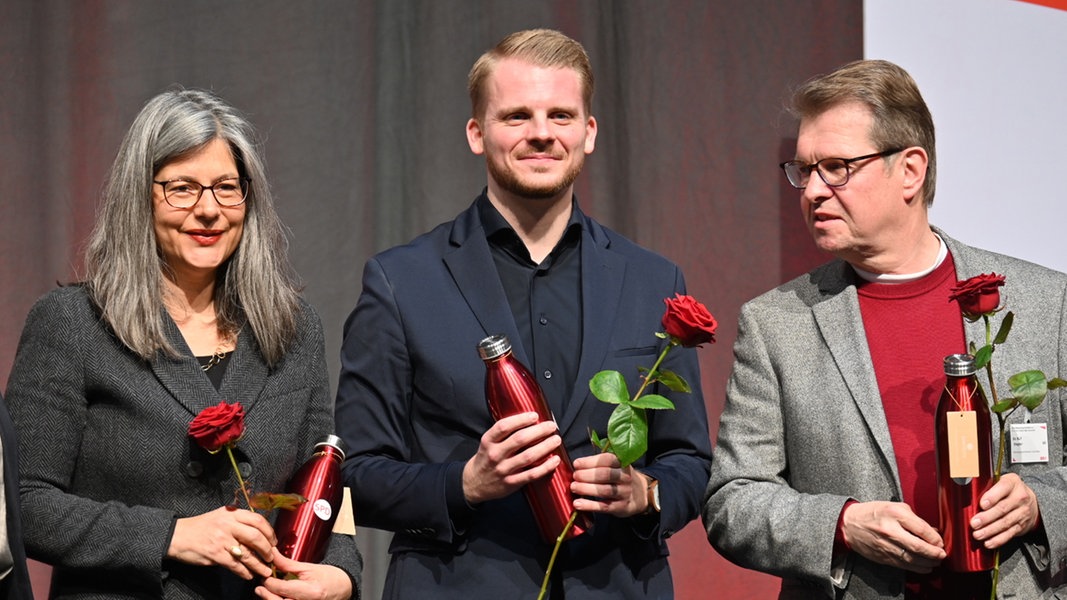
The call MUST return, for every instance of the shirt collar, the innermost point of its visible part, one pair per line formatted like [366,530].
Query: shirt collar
[493,222]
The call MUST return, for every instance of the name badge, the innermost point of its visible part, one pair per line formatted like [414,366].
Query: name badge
[1029,442]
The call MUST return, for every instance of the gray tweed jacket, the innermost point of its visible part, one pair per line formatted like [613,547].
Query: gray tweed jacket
[106,463]
[803,431]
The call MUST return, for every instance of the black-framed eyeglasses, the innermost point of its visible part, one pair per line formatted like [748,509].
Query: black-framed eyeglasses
[180,193]
[833,171]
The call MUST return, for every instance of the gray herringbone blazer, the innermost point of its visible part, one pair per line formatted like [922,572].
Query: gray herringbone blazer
[107,466]
[803,431]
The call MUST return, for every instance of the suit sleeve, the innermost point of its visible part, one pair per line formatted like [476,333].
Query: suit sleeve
[390,491]
[751,513]
[47,396]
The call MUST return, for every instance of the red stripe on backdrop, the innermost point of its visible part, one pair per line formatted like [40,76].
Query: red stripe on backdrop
[1058,4]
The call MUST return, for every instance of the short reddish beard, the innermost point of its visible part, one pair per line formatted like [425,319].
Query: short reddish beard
[510,183]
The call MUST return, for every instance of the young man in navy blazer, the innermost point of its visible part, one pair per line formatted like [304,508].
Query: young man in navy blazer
[427,461]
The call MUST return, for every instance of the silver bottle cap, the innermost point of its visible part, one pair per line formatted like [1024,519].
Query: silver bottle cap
[334,441]
[494,346]
[959,365]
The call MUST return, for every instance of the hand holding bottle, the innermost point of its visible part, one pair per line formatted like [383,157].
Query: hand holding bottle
[1009,509]
[515,451]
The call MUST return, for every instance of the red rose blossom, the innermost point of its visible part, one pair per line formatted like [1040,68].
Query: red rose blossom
[218,426]
[688,321]
[978,295]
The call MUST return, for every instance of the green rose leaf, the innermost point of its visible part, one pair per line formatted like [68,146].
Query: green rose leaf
[628,432]
[600,444]
[983,356]
[1029,388]
[1005,328]
[610,387]
[653,401]
[1056,382]
[674,382]
[1004,405]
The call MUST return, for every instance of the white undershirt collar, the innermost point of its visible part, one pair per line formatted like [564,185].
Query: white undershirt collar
[942,253]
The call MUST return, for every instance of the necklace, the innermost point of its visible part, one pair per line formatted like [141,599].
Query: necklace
[215,359]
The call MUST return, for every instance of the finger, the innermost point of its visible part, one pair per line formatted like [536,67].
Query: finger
[604,459]
[304,585]
[258,523]
[233,558]
[591,504]
[503,428]
[255,540]
[1000,490]
[266,594]
[915,526]
[247,562]
[999,532]
[915,562]
[532,456]
[528,473]
[597,474]
[528,437]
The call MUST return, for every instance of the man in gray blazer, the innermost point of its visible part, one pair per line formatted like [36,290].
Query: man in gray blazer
[824,473]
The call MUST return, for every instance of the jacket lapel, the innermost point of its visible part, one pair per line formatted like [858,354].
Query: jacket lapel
[181,375]
[602,277]
[245,378]
[247,373]
[839,321]
[472,268]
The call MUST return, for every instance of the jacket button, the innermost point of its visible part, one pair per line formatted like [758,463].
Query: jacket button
[245,469]
[194,469]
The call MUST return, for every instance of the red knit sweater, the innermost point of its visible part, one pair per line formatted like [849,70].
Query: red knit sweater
[910,329]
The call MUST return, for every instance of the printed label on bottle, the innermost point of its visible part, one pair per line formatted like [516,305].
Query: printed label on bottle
[962,444]
[322,509]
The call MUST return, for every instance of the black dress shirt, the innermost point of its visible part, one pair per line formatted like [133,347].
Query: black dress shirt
[545,298]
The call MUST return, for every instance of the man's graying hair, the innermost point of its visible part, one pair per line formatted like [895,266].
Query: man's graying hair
[901,117]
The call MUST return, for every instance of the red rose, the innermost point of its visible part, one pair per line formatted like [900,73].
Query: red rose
[978,295]
[688,321]
[218,426]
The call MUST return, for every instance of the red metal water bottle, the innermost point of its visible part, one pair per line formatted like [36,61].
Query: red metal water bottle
[963,423]
[511,389]
[304,533]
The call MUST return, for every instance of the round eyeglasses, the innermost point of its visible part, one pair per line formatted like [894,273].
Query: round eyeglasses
[180,193]
[833,171]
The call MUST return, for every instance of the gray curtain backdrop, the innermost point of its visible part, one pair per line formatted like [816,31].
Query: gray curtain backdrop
[362,107]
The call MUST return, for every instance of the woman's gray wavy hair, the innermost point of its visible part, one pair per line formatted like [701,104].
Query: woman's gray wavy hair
[125,270]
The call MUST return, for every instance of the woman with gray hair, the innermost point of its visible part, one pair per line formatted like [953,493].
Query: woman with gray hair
[188,300]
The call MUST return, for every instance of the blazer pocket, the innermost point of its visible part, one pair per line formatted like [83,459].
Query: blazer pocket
[638,351]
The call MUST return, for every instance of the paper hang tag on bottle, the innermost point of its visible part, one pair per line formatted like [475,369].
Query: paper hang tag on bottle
[962,444]
[346,520]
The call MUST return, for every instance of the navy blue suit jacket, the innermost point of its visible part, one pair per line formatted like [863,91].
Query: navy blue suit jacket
[411,408]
